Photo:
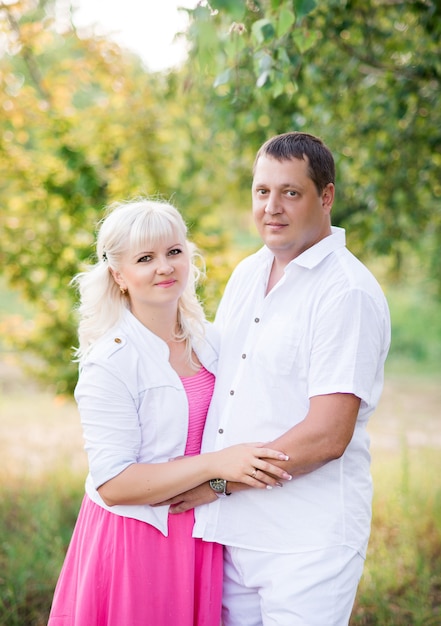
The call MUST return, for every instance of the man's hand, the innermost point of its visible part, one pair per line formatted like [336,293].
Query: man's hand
[190,499]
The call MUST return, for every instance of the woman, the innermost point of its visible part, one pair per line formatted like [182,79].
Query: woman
[147,361]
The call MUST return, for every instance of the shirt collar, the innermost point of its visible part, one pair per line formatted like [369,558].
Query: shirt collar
[137,329]
[316,253]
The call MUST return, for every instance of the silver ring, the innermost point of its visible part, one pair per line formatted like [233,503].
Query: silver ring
[254,474]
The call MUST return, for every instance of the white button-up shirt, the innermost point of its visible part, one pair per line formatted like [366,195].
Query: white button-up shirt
[323,329]
[134,408]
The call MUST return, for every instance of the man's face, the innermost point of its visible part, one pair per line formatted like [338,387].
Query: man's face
[290,215]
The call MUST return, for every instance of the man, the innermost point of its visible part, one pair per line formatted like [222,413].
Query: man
[305,332]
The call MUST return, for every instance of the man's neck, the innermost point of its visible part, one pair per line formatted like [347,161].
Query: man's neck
[276,273]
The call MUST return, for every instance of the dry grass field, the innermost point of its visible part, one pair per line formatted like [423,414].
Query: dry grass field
[40,431]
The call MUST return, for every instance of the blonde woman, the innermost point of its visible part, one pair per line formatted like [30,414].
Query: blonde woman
[147,364]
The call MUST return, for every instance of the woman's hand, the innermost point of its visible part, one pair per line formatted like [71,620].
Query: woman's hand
[155,483]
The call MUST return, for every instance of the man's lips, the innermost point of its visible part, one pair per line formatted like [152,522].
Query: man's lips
[275,225]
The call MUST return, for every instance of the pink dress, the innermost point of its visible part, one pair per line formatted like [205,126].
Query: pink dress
[120,571]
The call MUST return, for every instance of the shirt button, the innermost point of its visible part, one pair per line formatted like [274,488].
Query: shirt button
[244,356]
[257,320]
[117,340]
[220,431]
[232,392]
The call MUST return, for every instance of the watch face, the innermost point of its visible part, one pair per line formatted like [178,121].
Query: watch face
[218,485]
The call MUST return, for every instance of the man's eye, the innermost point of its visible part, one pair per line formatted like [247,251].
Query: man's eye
[292,194]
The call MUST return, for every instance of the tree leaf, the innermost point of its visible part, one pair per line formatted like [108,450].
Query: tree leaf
[304,7]
[263,31]
[304,39]
[222,78]
[262,78]
[285,21]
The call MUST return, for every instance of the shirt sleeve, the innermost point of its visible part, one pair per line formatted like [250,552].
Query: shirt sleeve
[110,422]
[349,346]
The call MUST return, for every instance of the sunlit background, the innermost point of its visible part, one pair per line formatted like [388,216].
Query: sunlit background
[103,100]
[146,27]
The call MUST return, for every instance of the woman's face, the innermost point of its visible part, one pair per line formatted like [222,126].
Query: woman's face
[156,275]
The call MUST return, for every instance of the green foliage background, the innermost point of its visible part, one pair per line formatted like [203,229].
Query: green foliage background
[84,124]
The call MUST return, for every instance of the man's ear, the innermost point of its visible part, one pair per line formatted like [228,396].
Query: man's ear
[328,194]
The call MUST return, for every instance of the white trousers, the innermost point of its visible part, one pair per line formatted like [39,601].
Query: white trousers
[315,588]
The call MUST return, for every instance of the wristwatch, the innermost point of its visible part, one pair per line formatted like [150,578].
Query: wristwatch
[219,486]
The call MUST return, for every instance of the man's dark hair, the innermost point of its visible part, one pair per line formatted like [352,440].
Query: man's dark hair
[296,145]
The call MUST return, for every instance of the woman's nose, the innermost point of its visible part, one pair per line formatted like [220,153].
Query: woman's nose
[165,267]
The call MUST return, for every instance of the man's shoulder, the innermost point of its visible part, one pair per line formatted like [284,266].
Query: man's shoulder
[356,271]
[252,262]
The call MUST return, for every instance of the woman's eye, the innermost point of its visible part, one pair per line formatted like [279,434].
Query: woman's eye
[175,251]
[145,259]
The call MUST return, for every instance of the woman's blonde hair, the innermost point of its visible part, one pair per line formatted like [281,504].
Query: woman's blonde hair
[132,225]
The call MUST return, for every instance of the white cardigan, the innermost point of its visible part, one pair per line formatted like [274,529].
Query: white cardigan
[134,408]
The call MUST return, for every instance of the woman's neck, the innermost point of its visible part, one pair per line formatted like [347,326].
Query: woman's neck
[165,324]
[161,322]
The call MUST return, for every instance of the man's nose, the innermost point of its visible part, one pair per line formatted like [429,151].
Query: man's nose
[273,205]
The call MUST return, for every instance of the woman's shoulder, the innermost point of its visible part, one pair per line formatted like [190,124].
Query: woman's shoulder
[125,338]
[112,342]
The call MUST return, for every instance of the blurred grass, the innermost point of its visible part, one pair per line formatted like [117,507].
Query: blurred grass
[36,525]
[401,584]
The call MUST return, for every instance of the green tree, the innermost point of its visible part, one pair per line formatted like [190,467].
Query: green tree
[81,128]
[84,125]
[363,74]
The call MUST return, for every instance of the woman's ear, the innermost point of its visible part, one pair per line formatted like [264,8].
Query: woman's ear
[118,278]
